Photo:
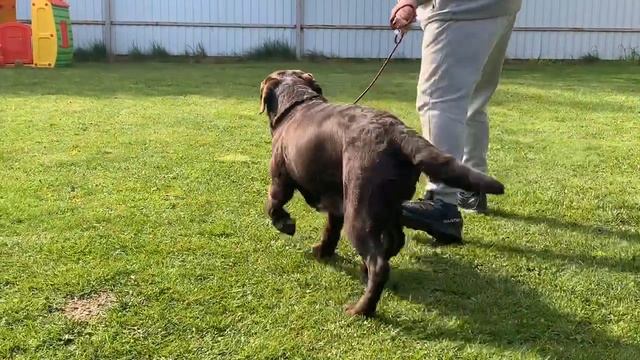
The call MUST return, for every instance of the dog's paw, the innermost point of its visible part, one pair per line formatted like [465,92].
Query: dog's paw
[356,310]
[320,252]
[286,226]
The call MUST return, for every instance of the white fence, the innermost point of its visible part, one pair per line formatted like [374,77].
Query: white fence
[547,29]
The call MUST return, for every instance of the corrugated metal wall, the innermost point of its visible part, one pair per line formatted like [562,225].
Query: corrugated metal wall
[209,18]
[547,29]
[565,29]
[334,27]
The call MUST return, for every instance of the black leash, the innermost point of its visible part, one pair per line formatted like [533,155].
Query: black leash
[397,39]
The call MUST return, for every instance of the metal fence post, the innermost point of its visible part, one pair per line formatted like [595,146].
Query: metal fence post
[299,29]
[108,33]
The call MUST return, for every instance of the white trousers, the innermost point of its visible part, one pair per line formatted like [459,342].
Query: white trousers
[460,70]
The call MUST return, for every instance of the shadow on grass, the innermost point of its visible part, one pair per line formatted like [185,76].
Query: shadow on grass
[490,309]
[568,225]
[630,265]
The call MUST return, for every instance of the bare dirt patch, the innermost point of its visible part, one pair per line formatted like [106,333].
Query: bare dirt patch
[89,308]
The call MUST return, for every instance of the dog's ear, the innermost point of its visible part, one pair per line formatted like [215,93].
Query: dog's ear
[311,81]
[307,77]
[267,88]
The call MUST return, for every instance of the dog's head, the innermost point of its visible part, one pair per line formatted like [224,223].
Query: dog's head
[284,88]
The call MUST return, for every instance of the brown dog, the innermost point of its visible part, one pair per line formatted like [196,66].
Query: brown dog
[356,164]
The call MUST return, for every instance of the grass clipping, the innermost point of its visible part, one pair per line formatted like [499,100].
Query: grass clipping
[84,310]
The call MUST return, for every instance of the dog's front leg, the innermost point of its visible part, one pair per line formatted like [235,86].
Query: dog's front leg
[327,247]
[280,192]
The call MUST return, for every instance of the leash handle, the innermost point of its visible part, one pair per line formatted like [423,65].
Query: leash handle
[399,35]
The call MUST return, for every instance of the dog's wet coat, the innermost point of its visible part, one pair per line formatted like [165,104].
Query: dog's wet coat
[355,163]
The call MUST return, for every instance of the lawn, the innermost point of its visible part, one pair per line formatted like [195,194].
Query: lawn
[147,182]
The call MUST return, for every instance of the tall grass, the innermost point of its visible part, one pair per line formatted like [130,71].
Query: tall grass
[272,49]
[155,52]
[197,54]
[94,52]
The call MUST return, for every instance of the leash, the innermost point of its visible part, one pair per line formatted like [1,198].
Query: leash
[397,40]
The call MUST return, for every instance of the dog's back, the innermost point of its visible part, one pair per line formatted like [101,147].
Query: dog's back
[319,139]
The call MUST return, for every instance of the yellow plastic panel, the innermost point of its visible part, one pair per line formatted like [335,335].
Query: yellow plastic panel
[45,44]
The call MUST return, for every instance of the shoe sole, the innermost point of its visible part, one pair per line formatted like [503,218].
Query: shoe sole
[430,227]
[474,211]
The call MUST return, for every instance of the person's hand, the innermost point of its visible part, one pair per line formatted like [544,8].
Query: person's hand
[403,14]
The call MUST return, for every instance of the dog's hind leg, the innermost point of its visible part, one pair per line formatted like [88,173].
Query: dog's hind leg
[280,192]
[367,199]
[327,247]
[378,274]
[393,239]
[366,237]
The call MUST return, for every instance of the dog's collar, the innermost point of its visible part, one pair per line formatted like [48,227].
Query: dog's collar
[278,117]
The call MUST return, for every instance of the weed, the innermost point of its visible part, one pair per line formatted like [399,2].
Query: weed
[272,49]
[94,52]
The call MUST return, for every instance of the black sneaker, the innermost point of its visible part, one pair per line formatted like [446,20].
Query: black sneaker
[439,219]
[473,202]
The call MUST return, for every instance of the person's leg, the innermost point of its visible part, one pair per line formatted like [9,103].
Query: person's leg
[454,54]
[477,126]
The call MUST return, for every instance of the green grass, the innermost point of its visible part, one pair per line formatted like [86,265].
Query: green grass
[196,54]
[155,52]
[590,57]
[136,53]
[272,50]
[631,55]
[158,51]
[149,181]
[95,52]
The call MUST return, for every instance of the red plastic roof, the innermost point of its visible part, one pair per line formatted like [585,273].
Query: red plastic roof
[60,3]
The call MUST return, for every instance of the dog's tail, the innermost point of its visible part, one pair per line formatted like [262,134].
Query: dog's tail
[441,167]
